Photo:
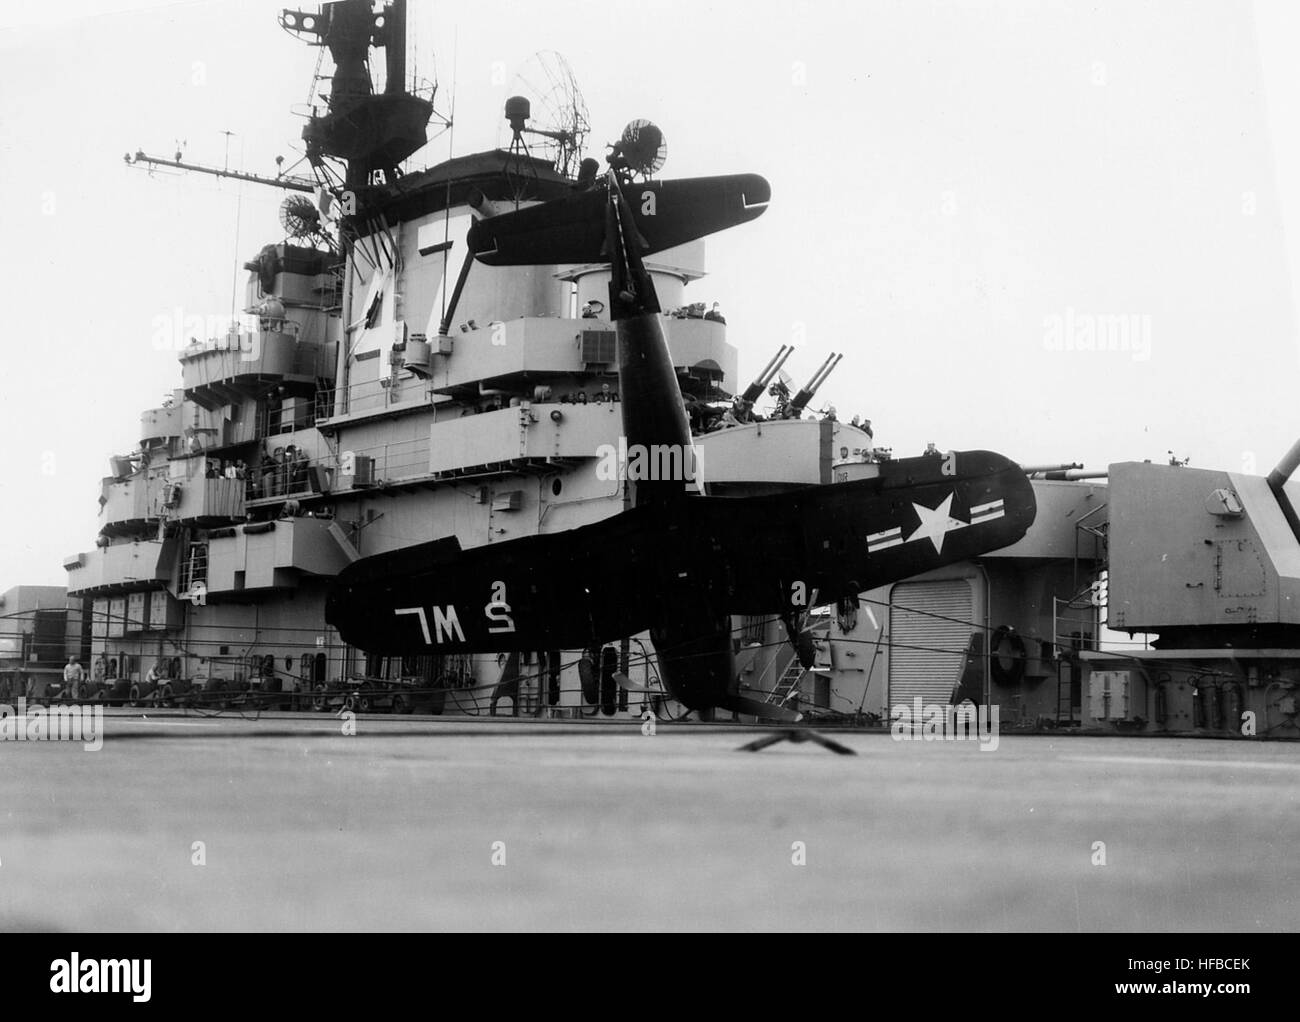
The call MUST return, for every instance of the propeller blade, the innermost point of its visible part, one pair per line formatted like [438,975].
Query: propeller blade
[627,684]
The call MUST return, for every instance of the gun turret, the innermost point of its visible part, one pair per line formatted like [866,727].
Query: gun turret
[755,390]
[800,400]
[1277,480]
[1286,467]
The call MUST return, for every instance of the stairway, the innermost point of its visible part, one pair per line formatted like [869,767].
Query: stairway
[788,683]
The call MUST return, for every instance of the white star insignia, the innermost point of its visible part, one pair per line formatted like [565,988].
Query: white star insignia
[936,523]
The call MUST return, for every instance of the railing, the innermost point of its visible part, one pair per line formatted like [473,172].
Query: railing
[352,468]
[389,462]
[272,422]
[284,479]
[371,396]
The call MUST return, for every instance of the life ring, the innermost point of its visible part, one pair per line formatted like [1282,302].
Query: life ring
[1007,675]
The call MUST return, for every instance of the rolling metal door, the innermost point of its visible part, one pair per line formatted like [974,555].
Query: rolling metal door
[930,629]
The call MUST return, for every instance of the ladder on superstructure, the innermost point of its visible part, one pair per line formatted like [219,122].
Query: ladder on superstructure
[788,683]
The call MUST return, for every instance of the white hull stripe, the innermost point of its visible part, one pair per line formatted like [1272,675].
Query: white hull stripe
[987,512]
[883,540]
[980,513]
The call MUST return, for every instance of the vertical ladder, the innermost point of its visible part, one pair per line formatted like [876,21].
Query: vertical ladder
[195,567]
[1064,697]
[529,694]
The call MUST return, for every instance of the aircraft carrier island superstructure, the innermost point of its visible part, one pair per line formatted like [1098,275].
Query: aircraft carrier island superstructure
[381,393]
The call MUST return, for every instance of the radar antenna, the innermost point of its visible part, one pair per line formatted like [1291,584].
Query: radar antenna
[641,149]
[548,120]
[299,217]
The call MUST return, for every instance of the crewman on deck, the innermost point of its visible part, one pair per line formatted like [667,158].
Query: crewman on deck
[73,676]
[781,392]
[715,314]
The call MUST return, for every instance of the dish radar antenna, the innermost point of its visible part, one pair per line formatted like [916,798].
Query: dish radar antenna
[302,220]
[547,117]
[641,149]
[299,217]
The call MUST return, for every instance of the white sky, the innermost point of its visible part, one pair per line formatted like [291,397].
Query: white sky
[946,176]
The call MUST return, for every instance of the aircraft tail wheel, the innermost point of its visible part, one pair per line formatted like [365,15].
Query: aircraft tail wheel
[133,696]
[1006,644]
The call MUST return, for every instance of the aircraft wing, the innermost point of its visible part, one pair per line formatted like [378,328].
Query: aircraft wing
[846,538]
[688,561]
[664,213]
[568,590]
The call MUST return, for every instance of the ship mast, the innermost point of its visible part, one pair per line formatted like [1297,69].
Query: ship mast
[371,133]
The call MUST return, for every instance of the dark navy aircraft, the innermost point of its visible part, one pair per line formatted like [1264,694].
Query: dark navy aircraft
[676,563]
